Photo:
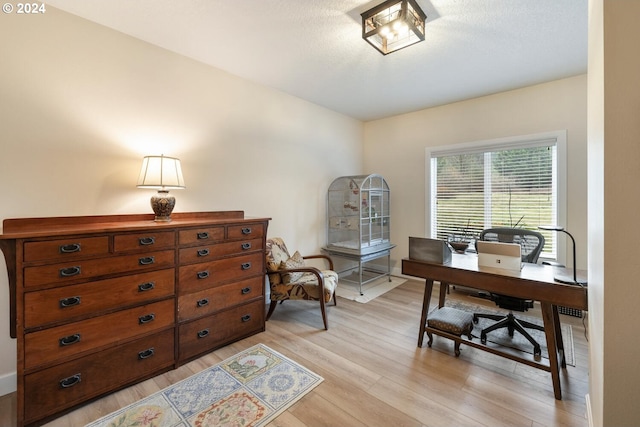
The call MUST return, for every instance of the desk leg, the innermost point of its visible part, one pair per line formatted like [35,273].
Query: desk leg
[428,289]
[559,340]
[443,294]
[550,333]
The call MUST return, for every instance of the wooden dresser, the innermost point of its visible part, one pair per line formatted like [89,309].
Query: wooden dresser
[101,302]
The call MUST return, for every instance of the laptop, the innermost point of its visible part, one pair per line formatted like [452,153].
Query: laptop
[506,256]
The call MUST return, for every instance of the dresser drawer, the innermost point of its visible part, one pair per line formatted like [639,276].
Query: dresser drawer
[148,240]
[64,341]
[205,302]
[81,270]
[205,253]
[71,383]
[202,236]
[66,249]
[210,332]
[196,277]
[76,301]
[245,231]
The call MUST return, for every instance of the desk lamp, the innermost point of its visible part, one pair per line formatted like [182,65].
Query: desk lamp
[562,278]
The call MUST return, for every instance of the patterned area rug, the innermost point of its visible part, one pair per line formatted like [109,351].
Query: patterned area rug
[371,290]
[248,389]
[518,342]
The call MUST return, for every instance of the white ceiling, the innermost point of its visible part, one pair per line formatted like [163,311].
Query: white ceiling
[313,49]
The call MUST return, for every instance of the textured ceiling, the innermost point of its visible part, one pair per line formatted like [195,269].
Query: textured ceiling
[313,49]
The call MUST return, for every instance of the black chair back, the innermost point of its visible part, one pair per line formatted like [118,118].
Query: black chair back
[530,241]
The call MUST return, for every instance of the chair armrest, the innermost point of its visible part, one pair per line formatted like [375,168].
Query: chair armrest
[312,270]
[325,257]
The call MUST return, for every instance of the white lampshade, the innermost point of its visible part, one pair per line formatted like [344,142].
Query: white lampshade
[161,172]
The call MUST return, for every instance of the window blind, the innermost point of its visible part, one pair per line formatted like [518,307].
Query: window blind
[508,185]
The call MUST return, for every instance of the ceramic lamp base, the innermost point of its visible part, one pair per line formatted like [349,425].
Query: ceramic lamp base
[162,205]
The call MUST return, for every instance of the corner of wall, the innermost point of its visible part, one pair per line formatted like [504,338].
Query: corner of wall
[589,417]
[8,383]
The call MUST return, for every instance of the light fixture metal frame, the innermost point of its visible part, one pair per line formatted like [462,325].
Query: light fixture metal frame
[414,22]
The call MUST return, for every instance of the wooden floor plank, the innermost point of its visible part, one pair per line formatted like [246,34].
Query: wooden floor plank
[375,375]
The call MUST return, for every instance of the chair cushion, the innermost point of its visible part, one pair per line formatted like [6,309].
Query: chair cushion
[452,320]
[306,288]
[296,261]
[276,252]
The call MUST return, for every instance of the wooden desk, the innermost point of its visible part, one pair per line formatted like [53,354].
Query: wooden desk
[532,282]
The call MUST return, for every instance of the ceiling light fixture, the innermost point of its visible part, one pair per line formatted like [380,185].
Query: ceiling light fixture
[393,25]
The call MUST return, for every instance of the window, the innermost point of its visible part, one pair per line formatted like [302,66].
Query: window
[512,182]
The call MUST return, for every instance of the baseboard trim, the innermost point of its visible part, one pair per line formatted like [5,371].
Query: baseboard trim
[589,415]
[8,383]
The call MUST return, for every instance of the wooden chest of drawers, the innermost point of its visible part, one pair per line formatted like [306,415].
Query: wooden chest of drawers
[99,303]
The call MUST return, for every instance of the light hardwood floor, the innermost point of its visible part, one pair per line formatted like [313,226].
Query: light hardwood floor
[374,374]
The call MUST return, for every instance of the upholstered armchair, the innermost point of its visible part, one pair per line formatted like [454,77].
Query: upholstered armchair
[291,279]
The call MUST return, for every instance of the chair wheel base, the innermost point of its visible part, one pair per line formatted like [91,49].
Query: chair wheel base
[537,351]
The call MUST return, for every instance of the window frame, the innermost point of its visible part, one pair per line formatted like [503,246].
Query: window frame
[511,142]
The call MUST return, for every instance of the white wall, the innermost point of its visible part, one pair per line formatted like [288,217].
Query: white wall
[81,105]
[595,103]
[395,148]
[614,171]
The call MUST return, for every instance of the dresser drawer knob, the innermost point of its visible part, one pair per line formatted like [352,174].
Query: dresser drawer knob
[69,302]
[246,318]
[71,339]
[148,260]
[246,290]
[145,354]
[246,246]
[203,333]
[70,248]
[70,271]
[146,286]
[146,318]
[146,241]
[70,381]
[203,235]
[203,302]
[246,230]
[246,266]
[203,274]
[203,252]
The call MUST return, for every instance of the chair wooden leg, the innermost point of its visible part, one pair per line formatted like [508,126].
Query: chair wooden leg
[272,307]
[324,312]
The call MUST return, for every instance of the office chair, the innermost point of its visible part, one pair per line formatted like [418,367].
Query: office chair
[531,243]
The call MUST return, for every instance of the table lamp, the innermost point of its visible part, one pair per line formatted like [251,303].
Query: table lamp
[164,174]
[563,278]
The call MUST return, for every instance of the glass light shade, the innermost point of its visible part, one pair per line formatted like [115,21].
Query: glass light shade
[393,25]
[162,173]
